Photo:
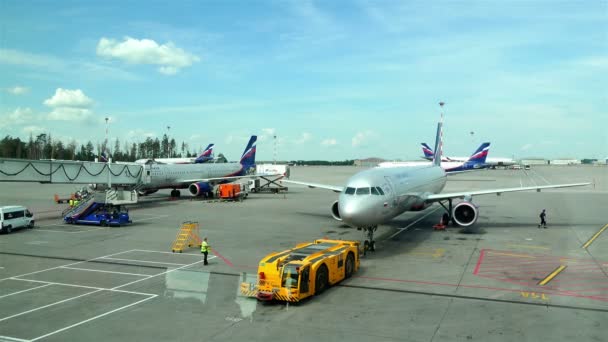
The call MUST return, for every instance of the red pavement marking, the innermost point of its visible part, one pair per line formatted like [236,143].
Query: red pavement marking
[481,255]
[214,251]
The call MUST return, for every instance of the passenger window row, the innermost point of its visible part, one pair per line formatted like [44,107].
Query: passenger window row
[375,190]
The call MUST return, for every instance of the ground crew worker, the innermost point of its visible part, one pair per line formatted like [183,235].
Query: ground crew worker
[205,250]
[71,203]
[542,216]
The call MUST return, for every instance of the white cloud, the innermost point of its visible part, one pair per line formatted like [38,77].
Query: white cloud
[17,117]
[526,147]
[33,130]
[194,137]
[361,138]
[303,138]
[267,133]
[140,134]
[69,114]
[69,98]
[329,142]
[69,105]
[146,51]
[17,90]
[15,57]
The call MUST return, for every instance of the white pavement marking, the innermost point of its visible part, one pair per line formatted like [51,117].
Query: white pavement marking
[102,271]
[122,307]
[413,223]
[48,305]
[83,286]
[8,338]
[91,319]
[150,251]
[145,261]
[156,275]
[543,178]
[18,292]
[63,231]
[74,263]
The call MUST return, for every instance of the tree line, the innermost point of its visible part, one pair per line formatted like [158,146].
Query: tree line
[43,146]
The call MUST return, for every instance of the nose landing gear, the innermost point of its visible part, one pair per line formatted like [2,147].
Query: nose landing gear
[370,243]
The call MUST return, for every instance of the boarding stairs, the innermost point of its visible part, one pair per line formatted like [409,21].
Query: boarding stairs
[109,196]
[188,235]
[80,208]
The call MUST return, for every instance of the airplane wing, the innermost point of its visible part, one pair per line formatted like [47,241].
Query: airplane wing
[316,185]
[444,196]
[219,179]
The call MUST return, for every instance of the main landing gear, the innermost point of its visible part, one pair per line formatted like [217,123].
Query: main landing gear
[370,243]
[447,216]
[175,193]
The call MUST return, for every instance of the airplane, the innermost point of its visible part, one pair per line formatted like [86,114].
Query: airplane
[377,195]
[476,161]
[199,179]
[491,162]
[204,157]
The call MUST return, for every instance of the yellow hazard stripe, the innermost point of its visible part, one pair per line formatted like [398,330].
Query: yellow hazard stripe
[552,275]
[588,243]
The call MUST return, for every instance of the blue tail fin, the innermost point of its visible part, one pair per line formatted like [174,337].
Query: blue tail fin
[206,155]
[480,155]
[428,152]
[438,143]
[103,157]
[248,157]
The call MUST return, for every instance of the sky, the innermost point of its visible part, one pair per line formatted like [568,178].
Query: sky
[330,80]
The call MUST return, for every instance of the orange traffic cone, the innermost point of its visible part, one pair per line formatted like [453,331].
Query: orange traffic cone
[440,225]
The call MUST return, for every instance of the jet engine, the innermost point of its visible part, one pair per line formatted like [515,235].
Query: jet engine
[465,213]
[146,192]
[200,188]
[335,211]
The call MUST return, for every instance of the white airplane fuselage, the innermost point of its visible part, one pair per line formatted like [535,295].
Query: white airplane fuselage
[402,189]
[175,176]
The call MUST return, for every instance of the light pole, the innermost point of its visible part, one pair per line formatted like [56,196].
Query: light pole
[107,129]
[275,150]
[108,157]
[168,144]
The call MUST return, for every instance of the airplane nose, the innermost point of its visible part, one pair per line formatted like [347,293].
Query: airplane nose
[354,213]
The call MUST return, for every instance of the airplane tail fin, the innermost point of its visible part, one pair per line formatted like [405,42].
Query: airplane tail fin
[438,143]
[428,152]
[480,155]
[103,157]
[248,157]
[206,155]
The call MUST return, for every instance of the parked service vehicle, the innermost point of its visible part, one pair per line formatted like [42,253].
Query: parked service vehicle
[15,216]
[304,271]
[100,214]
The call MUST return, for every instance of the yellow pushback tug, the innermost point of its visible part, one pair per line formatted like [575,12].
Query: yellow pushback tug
[303,271]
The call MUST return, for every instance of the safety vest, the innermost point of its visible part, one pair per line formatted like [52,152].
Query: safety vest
[204,247]
[71,203]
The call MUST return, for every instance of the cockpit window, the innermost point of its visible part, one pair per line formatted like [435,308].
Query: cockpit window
[350,191]
[362,191]
[375,191]
[380,191]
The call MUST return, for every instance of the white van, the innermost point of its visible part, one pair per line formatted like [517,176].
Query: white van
[14,216]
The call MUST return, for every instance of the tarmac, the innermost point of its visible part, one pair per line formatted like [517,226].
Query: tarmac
[500,281]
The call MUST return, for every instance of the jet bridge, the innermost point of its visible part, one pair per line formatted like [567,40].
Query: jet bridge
[72,172]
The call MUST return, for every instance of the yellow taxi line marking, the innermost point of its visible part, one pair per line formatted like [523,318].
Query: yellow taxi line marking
[515,255]
[588,243]
[529,246]
[552,275]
